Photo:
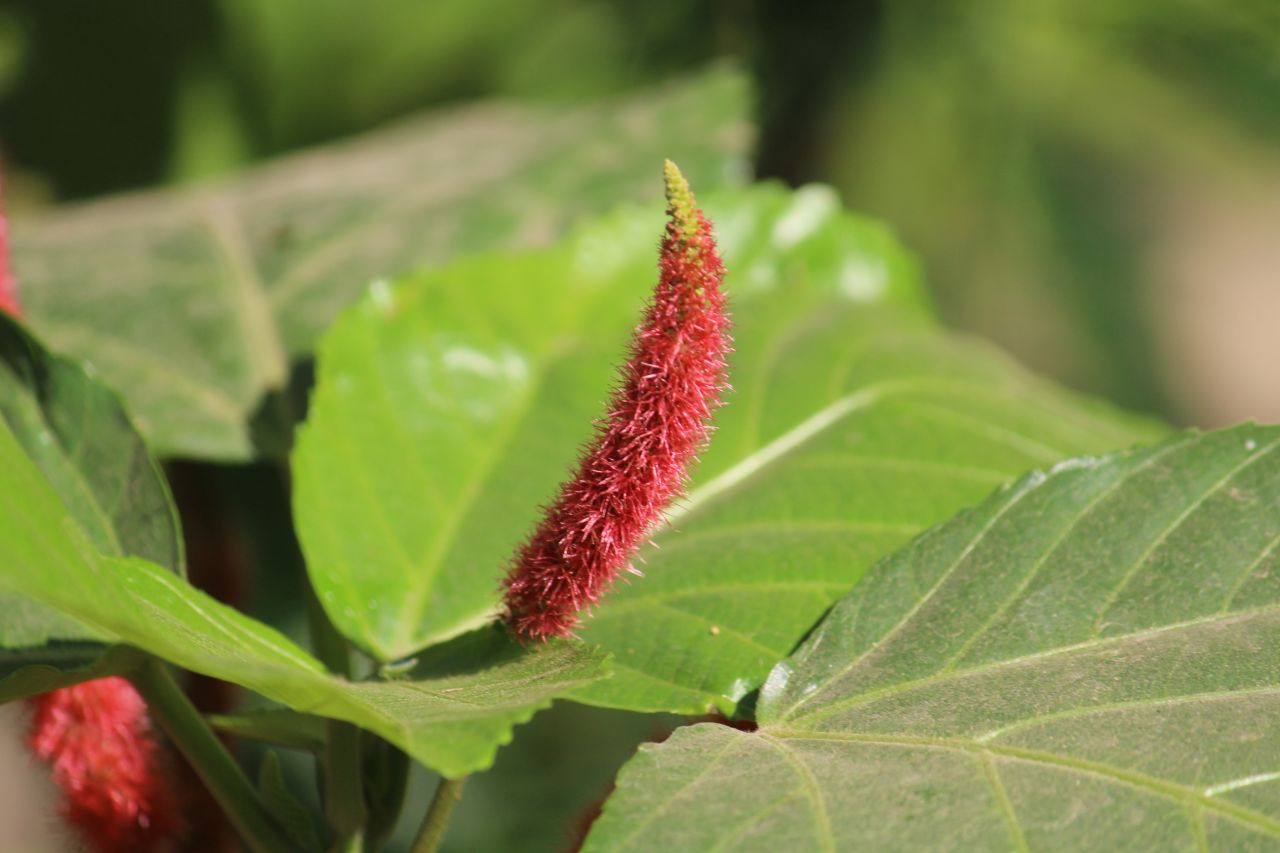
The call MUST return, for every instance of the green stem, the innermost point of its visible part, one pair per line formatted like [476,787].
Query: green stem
[343,769]
[170,708]
[330,646]
[436,821]
[344,786]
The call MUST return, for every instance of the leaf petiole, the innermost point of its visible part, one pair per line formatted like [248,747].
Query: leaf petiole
[172,710]
[435,823]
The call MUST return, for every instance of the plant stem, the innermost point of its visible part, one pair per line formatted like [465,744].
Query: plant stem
[330,646]
[344,786]
[343,769]
[436,821]
[386,777]
[170,708]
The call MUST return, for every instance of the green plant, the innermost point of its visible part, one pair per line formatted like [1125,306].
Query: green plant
[918,642]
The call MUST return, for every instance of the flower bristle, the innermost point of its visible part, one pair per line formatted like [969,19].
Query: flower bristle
[98,742]
[637,462]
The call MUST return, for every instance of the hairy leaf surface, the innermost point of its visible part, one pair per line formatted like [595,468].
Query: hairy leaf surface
[1087,661]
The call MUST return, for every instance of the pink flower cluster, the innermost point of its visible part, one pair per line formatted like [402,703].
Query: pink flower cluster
[97,739]
[638,459]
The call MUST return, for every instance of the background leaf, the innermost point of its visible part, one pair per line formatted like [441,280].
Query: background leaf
[451,715]
[1085,662]
[30,671]
[194,301]
[448,409]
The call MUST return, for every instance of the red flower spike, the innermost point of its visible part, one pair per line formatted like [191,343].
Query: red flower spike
[637,461]
[8,284]
[98,740]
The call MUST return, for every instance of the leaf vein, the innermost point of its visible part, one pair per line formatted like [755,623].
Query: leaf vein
[1132,778]
[1114,595]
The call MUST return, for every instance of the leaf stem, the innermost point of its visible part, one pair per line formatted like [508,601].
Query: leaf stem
[436,821]
[344,786]
[330,646]
[173,711]
[343,771]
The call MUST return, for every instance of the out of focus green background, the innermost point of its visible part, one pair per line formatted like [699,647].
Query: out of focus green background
[1092,184]
[1095,184]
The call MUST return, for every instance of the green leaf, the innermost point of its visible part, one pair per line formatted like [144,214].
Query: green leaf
[447,411]
[194,301]
[31,671]
[1087,661]
[276,726]
[73,428]
[451,714]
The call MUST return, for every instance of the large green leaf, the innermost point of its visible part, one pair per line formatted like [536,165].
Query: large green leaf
[447,410]
[75,431]
[1088,661]
[192,302]
[451,713]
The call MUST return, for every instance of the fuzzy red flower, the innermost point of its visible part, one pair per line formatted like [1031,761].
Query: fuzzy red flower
[97,738]
[8,284]
[657,422]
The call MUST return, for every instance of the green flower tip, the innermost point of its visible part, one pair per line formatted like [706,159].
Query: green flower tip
[681,205]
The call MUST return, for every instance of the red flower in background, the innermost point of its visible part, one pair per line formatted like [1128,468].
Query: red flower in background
[657,422]
[97,739]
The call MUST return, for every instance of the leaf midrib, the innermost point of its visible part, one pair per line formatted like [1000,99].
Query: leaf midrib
[418,597]
[260,332]
[35,416]
[825,418]
[206,395]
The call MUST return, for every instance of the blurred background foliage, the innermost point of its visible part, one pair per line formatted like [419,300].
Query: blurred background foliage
[1045,158]
[1093,184]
